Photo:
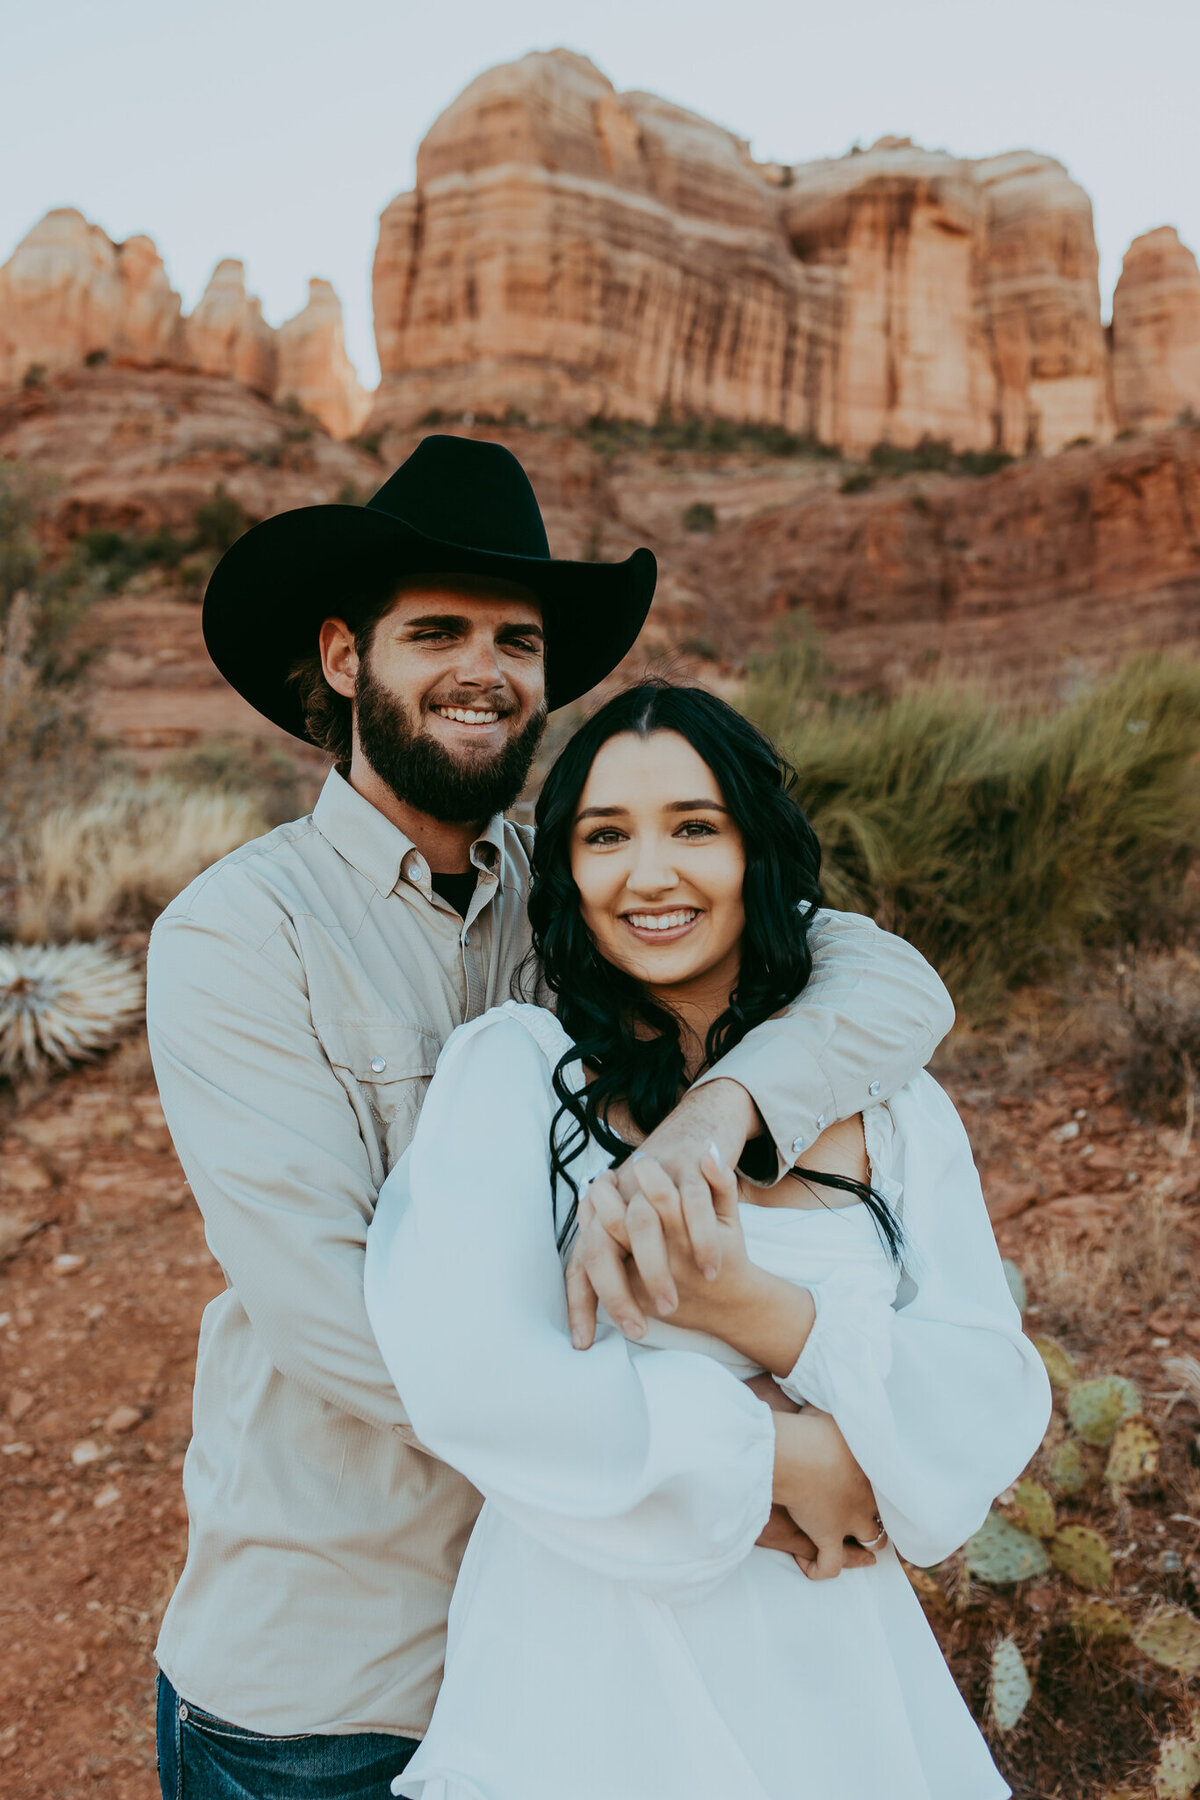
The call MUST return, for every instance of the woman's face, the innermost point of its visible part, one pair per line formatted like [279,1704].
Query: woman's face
[659,865]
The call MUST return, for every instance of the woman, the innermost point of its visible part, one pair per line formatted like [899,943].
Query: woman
[615,1632]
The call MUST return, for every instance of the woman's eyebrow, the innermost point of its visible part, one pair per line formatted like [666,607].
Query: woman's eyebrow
[679,806]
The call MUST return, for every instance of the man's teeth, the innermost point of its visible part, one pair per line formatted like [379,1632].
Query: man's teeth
[662,921]
[463,715]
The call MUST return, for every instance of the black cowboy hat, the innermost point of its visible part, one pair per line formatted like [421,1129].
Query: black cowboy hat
[456,506]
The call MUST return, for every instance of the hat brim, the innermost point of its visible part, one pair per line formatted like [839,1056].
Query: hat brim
[271,590]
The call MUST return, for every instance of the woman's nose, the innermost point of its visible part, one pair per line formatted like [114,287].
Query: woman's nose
[653,871]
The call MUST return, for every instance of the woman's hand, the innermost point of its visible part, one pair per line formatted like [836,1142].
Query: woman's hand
[665,1276]
[825,1492]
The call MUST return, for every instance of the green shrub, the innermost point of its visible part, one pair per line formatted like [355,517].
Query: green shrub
[857,481]
[118,555]
[1002,843]
[700,516]
[220,521]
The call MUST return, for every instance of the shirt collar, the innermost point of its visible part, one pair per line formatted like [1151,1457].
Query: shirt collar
[382,852]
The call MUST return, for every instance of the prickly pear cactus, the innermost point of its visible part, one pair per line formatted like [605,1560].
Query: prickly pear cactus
[1178,1772]
[1098,1621]
[1072,1469]
[1059,1365]
[1133,1455]
[1031,1508]
[1082,1555]
[1009,1686]
[999,1553]
[1170,1636]
[1096,1408]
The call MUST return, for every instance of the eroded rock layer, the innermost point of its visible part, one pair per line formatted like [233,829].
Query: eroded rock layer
[570,251]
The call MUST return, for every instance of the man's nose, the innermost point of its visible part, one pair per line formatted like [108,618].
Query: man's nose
[478,664]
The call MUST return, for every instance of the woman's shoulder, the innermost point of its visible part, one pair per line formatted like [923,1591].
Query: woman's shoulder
[507,1022]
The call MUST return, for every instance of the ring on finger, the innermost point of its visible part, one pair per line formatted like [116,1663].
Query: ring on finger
[875,1542]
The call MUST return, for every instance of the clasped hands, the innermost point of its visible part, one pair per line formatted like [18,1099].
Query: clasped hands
[662,1234]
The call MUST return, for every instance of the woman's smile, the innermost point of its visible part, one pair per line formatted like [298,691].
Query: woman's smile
[662,927]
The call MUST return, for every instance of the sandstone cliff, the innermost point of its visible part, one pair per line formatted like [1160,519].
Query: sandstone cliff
[68,292]
[569,251]
[68,295]
[1156,331]
[227,334]
[314,368]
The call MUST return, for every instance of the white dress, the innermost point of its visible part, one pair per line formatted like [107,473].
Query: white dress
[615,1633]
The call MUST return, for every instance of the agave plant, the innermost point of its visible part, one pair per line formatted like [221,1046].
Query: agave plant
[62,1004]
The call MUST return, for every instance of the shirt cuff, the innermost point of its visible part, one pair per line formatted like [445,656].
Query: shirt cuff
[793,1095]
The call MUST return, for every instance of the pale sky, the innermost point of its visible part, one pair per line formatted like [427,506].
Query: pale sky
[277,130]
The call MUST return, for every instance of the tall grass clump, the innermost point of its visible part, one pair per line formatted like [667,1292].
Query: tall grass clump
[1003,842]
[114,861]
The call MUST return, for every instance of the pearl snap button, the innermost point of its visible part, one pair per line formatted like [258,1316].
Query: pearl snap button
[379,1064]
[820,1121]
[873,1089]
[797,1146]
[183,1711]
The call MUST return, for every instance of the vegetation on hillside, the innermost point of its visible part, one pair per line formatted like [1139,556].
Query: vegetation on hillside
[1005,842]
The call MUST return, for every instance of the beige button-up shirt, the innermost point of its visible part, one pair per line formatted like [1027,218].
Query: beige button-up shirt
[299,993]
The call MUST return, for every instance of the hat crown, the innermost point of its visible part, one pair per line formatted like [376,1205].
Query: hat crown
[463,491]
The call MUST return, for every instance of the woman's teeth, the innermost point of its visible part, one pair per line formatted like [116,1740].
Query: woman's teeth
[663,921]
[465,716]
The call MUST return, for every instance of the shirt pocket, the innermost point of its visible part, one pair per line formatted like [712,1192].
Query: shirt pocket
[385,1067]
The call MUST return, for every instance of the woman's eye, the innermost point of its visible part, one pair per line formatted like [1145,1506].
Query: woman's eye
[697,828]
[607,834]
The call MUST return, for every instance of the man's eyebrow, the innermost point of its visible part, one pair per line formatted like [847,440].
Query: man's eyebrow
[458,622]
[679,806]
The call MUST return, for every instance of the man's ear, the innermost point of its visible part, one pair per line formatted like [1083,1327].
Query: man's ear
[339,658]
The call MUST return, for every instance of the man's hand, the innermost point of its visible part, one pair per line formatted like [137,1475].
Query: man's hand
[720,1113]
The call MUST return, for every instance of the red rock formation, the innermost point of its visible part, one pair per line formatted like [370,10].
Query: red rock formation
[314,368]
[68,292]
[227,334]
[569,250]
[1156,331]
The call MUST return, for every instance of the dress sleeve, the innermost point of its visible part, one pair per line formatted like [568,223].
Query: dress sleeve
[653,1466]
[943,1406]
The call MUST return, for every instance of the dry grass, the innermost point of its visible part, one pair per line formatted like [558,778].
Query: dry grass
[115,861]
[1077,1283]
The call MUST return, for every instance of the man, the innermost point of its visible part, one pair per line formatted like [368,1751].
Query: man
[299,994]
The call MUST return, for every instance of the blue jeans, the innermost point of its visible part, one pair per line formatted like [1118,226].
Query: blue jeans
[201,1757]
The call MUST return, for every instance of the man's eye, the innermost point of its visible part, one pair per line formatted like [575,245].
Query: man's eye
[520,643]
[429,637]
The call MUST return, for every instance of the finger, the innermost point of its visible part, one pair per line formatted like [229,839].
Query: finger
[830,1559]
[658,1188]
[703,1231]
[855,1557]
[606,1270]
[606,1209]
[648,1249]
[722,1182]
[581,1305]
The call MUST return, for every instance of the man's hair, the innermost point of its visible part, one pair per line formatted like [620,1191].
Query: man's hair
[328,715]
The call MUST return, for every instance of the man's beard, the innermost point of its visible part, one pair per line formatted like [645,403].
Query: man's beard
[423,775]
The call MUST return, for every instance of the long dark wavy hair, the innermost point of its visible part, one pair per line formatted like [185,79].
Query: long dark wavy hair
[631,1040]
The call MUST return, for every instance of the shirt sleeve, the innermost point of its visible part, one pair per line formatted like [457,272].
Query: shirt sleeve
[943,1403]
[651,1466]
[869,1019]
[270,1145]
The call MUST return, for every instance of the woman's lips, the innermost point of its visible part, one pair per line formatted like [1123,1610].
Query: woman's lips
[668,928]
